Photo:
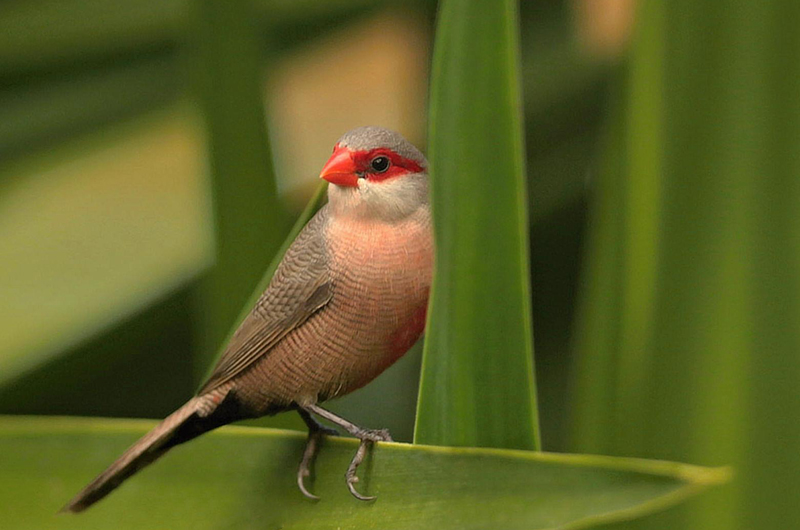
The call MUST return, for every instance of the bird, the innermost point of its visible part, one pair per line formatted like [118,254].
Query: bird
[347,300]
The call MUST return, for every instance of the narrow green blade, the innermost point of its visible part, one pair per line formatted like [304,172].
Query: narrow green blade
[250,220]
[245,478]
[477,385]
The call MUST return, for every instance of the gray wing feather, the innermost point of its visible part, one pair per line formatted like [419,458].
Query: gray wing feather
[300,287]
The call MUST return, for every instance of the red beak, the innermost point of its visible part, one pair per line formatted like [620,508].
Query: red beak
[340,169]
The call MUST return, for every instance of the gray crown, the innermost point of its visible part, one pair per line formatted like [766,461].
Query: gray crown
[372,137]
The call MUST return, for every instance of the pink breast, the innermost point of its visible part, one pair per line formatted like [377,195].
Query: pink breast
[382,277]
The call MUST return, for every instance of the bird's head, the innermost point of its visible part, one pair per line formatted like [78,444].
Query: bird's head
[376,172]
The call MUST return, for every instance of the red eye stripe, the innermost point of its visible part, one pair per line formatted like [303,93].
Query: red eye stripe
[399,165]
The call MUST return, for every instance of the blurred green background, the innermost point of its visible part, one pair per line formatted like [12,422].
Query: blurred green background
[662,149]
[125,254]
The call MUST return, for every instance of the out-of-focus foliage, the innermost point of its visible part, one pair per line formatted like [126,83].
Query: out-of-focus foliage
[67,92]
[689,343]
[250,221]
[107,229]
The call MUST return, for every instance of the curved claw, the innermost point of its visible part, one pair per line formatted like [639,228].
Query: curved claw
[301,475]
[351,477]
[351,485]
[308,457]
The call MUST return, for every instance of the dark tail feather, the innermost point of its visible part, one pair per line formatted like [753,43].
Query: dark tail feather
[181,426]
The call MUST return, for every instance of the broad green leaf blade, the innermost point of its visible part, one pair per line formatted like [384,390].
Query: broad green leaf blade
[38,115]
[245,478]
[477,386]
[93,376]
[250,220]
[92,234]
[701,345]
[36,36]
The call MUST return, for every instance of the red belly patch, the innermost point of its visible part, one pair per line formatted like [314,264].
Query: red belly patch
[409,333]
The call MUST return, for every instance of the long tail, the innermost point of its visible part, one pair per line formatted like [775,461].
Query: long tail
[189,421]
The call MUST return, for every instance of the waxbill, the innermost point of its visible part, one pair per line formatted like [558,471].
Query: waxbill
[347,300]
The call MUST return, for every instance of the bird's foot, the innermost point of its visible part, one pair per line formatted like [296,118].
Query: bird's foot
[367,437]
[375,435]
[315,433]
[309,453]
[351,477]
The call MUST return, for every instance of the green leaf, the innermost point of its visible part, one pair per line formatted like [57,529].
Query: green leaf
[477,383]
[41,113]
[251,222]
[48,35]
[90,377]
[694,293]
[92,234]
[245,478]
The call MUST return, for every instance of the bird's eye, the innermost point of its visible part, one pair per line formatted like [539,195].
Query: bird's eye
[379,164]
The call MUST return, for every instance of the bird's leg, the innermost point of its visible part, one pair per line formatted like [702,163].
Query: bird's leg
[315,432]
[314,425]
[367,437]
[376,435]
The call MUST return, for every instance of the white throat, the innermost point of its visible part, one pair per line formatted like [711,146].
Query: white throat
[390,200]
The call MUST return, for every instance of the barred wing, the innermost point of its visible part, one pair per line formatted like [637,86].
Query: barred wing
[301,286]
